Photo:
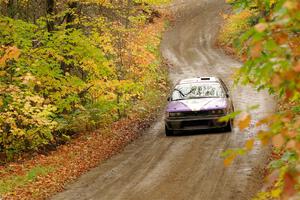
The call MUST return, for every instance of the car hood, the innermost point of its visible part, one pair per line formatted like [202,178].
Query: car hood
[197,104]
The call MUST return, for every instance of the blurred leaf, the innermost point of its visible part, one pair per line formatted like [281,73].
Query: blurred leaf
[244,122]
[278,141]
[229,116]
[228,160]
[249,144]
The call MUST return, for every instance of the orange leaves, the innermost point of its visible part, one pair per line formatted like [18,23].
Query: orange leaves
[276,80]
[297,67]
[278,141]
[290,133]
[277,69]
[281,38]
[267,120]
[289,185]
[297,123]
[256,50]
[294,45]
[291,145]
[10,53]
[228,161]
[231,154]
[286,80]
[89,149]
[244,122]
[290,75]
[264,137]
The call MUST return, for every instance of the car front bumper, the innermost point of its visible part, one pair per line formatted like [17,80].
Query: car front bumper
[194,123]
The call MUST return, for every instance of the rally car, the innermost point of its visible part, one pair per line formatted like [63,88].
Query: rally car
[198,103]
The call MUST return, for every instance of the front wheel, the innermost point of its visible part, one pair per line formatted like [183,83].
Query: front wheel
[168,131]
[229,126]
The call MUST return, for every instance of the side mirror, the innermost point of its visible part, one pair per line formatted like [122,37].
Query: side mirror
[227,95]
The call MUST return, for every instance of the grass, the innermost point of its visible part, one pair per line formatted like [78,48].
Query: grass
[10,183]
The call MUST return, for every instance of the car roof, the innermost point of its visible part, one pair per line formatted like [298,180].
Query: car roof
[200,80]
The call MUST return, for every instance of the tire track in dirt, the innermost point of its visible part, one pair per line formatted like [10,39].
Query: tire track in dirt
[186,167]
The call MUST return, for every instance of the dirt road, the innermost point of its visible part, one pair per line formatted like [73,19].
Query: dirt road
[186,167]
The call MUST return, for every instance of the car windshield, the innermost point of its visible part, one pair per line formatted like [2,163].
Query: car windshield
[197,90]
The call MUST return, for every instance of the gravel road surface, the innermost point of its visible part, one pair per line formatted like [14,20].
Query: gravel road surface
[186,167]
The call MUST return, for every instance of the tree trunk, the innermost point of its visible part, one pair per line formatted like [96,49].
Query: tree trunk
[70,16]
[50,13]
[12,8]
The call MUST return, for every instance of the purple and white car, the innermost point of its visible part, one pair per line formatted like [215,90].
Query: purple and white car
[198,103]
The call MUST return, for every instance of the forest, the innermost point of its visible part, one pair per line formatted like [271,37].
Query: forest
[73,66]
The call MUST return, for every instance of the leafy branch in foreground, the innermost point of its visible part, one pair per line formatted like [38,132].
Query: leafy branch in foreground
[271,51]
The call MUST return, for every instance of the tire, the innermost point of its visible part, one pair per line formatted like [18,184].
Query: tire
[168,131]
[229,126]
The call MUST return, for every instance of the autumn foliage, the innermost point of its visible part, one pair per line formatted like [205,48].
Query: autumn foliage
[73,66]
[270,49]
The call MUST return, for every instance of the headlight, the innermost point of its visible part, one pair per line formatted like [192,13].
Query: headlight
[175,114]
[218,112]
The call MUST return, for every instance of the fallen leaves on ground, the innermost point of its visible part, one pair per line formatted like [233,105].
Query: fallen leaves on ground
[72,160]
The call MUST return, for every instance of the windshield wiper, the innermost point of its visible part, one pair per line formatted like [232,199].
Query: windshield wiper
[178,99]
[180,92]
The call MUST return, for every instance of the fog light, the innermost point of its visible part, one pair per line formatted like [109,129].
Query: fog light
[174,114]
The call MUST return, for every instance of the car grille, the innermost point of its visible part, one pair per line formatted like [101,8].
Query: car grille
[196,123]
[196,113]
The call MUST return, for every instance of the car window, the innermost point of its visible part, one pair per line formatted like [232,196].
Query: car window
[198,90]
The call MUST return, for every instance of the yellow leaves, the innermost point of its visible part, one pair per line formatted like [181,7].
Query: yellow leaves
[271,181]
[264,137]
[10,53]
[291,5]
[235,24]
[225,16]
[3,73]
[272,2]
[249,144]
[266,120]
[244,122]
[230,154]
[27,78]
[276,193]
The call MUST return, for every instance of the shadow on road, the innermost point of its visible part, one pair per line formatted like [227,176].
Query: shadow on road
[200,132]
